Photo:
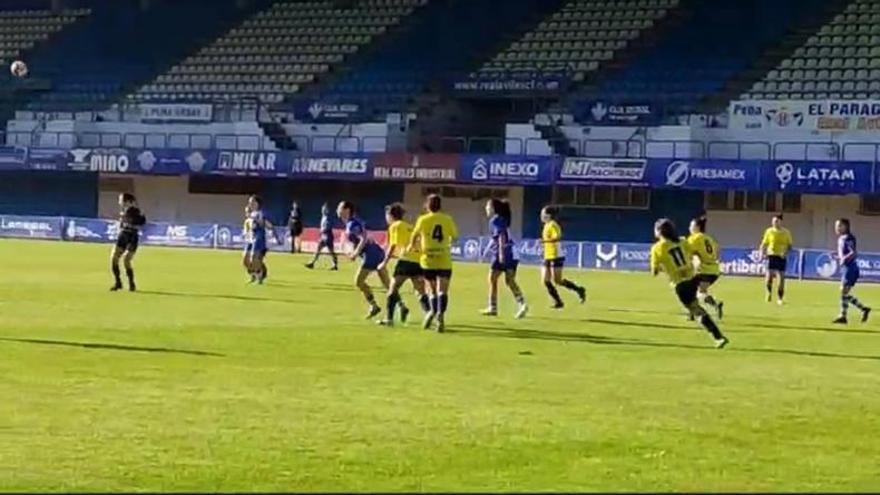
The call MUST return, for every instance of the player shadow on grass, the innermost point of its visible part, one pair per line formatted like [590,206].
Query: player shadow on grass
[215,296]
[839,330]
[520,333]
[111,347]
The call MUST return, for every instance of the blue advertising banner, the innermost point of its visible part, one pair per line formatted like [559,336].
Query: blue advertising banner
[508,169]
[249,163]
[531,252]
[616,114]
[467,249]
[616,256]
[327,112]
[604,171]
[526,83]
[343,166]
[705,174]
[749,262]
[823,265]
[31,227]
[232,237]
[90,230]
[819,177]
[171,161]
[170,234]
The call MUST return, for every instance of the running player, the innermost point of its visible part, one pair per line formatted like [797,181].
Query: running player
[130,221]
[503,258]
[672,255]
[554,259]
[775,245]
[295,226]
[407,268]
[371,254]
[705,252]
[432,236]
[847,254]
[326,239]
[258,246]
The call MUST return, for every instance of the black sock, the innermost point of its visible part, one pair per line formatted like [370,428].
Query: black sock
[425,303]
[393,299]
[568,284]
[781,293]
[116,275]
[370,299]
[129,272]
[710,300]
[711,327]
[335,262]
[443,303]
[769,287]
[435,304]
[551,289]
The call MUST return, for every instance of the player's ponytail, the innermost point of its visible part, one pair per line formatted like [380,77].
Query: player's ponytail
[666,229]
[433,203]
[395,211]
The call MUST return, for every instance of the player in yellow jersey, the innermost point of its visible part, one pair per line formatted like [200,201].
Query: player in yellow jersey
[705,253]
[407,268]
[672,255]
[775,245]
[554,259]
[432,236]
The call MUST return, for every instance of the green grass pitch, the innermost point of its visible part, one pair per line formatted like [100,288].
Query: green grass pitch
[201,383]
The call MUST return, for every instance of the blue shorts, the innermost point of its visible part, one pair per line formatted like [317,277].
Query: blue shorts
[849,275]
[371,257]
[509,264]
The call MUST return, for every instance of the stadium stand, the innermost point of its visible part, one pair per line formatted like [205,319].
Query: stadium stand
[414,60]
[697,59]
[275,52]
[578,38]
[93,63]
[21,30]
[841,60]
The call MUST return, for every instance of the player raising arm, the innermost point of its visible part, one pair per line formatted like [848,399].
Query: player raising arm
[775,245]
[849,276]
[706,252]
[672,255]
[432,236]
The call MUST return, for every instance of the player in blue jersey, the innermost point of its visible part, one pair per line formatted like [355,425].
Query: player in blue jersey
[326,239]
[849,271]
[258,246]
[504,260]
[370,253]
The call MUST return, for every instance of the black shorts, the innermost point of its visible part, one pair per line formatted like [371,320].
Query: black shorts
[706,278]
[296,228]
[687,292]
[555,263]
[432,275]
[127,240]
[407,269]
[778,263]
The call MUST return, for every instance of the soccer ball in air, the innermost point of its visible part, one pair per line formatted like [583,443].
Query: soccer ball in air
[18,69]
